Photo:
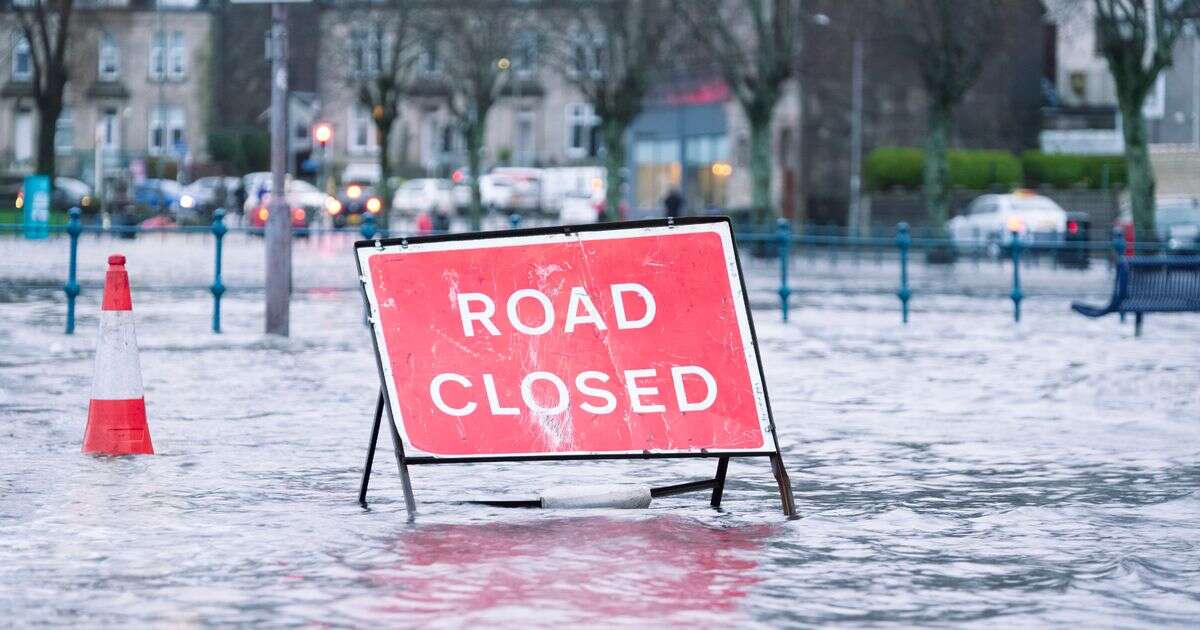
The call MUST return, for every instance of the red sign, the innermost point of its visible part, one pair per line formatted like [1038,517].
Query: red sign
[633,340]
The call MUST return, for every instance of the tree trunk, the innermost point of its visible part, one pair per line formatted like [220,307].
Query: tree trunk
[614,162]
[763,209]
[935,167]
[474,139]
[1140,173]
[47,128]
[383,129]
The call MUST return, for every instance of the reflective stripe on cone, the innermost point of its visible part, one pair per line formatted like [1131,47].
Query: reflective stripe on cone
[117,413]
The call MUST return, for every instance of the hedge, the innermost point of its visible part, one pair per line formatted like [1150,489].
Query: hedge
[890,167]
[1061,170]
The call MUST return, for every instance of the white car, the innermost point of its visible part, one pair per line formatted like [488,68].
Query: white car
[424,195]
[990,221]
[300,193]
[578,208]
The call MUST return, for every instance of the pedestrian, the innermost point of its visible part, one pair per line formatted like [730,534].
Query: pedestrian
[239,199]
[673,203]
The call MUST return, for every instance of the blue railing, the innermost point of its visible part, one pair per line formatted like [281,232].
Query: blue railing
[783,244]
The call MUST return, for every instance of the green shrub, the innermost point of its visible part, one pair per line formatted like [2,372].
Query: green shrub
[901,167]
[1064,170]
[891,167]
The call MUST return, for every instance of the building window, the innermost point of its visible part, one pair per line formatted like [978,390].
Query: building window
[706,159]
[525,151]
[22,58]
[109,58]
[587,55]
[364,51]
[657,171]
[582,131]
[157,55]
[430,59]
[168,132]
[362,130]
[177,56]
[22,135]
[168,56]
[525,54]
[64,132]
[110,129]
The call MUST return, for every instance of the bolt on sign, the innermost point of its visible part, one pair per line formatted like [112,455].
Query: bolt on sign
[620,340]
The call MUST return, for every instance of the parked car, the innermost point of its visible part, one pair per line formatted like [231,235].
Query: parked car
[524,189]
[299,193]
[579,207]
[259,215]
[424,195]
[990,221]
[68,193]
[353,201]
[204,195]
[1074,251]
[157,194]
[1176,223]
[72,193]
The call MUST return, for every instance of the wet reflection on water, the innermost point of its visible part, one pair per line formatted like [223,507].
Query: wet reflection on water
[573,569]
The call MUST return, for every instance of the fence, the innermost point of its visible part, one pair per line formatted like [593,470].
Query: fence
[783,244]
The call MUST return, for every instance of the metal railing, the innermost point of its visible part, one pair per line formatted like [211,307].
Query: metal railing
[783,244]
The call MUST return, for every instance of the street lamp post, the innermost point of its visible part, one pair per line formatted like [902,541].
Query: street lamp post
[322,133]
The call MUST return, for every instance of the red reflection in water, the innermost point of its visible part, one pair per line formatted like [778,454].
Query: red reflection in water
[585,568]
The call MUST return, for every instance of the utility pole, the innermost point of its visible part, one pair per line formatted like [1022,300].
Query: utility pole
[856,105]
[279,217]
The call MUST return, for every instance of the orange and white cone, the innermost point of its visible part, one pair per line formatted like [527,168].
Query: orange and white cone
[117,413]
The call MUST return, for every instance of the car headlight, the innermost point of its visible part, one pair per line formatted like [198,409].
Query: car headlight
[186,201]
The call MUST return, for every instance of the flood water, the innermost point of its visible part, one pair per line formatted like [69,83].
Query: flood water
[962,470]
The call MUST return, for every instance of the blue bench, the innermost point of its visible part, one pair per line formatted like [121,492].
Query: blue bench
[1151,284]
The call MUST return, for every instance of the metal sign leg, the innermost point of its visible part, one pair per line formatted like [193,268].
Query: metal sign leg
[719,481]
[785,485]
[410,503]
[366,477]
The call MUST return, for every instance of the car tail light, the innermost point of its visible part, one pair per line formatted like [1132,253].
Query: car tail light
[298,214]
[263,214]
[1072,227]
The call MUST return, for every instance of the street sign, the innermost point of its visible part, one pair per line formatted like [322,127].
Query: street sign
[37,207]
[601,341]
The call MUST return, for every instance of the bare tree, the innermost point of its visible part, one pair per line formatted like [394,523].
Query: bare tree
[1136,38]
[611,50]
[479,44]
[753,43]
[381,54]
[46,26]
[949,41]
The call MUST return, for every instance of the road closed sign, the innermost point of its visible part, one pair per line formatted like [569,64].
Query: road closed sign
[625,340]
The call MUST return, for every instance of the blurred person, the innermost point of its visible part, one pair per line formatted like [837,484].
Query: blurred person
[673,203]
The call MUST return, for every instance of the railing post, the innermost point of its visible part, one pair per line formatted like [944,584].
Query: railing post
[514,220]
[903,241]
[1119,251]
[368,226]
[74,229]
[217,288]
[784,231]
[1016,287]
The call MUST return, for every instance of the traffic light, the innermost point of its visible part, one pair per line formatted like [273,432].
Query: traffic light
[322,133]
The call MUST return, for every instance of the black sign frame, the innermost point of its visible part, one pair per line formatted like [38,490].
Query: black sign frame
[716,484]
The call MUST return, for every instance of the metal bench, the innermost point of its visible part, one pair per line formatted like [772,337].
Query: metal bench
[1151,284]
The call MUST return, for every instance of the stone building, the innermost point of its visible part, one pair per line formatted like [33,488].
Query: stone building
[139,88]
[692,134]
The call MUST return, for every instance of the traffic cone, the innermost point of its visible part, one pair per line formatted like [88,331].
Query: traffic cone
[117,413]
